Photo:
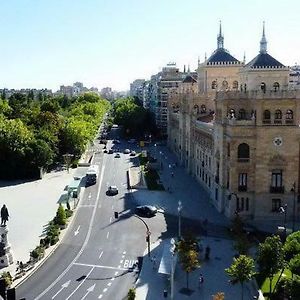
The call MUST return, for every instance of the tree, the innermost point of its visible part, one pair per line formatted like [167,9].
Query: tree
[131,294]
[188,255]
[271,258]
[241,270]
[292,245]
[219,296]
[61,217]
[294,265]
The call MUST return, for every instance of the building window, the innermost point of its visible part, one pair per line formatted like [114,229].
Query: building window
[214,85]
[276,182]
[242,182]
[278,116]
[242,114]
[276,86]
[235,85]
[203,109]
[196,109]
[242,204]
[225,84]
[267,117]
[289,117]
[216,194]
[263,87]
[209,181]
[243,152]
[231,114]
[276,204]
[228,149]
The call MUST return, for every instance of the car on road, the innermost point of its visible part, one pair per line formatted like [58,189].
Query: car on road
[110,151]
[132,153]
[112,190]
[126,151]
[117,155]
[146,211]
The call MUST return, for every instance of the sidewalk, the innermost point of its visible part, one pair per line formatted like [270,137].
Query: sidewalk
[31,206]
[151,284]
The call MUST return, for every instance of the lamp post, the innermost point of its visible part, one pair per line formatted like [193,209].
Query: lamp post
[155,147]
[172,250]
[160,155]
[293,189]
[179,208]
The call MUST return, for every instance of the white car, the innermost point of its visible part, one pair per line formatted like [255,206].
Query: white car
[117,155]
[126,151]
[132,153]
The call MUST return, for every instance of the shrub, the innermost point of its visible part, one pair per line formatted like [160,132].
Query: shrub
[38,252]
[69,213]
[131,294]
[54,240]
[60,218]
[7,278]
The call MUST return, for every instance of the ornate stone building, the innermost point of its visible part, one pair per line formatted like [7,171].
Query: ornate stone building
[236,129]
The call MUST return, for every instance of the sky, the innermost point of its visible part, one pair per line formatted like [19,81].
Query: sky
[48,43]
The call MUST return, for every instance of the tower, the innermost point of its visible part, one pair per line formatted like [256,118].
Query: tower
[220,38]
[263,42]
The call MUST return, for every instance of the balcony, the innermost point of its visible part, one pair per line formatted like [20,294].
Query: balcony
[242,188]
[277,189]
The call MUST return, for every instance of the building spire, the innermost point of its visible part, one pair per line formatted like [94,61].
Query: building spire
[263,41]
[220,38]
[244,58]
[189,71]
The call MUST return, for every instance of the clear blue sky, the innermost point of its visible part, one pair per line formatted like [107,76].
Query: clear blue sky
[46,43]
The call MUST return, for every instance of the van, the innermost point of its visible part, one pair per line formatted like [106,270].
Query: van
[92,174]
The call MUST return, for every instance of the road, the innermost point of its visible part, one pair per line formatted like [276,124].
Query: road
[100,256]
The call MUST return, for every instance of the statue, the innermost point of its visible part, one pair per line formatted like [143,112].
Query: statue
[4,215]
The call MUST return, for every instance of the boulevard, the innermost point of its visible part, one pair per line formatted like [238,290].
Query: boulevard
[100,256]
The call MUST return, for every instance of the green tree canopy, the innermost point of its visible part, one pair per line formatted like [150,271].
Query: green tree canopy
[292,245]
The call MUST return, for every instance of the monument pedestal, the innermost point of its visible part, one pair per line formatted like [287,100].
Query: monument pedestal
[6,257]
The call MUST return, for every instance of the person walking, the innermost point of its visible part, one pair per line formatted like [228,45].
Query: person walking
[4,215]
[200,281]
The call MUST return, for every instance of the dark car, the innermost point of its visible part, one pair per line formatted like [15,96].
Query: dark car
[110,151]
[146,210]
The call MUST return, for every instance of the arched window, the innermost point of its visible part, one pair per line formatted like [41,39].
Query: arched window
[267,117]
[231,114]
[289,117]
[235,85]
[276,86]
[225,84]
[214,85]
[243,152]
[278,116]
[196,108]
[242,114]
[203,108]
[263,87]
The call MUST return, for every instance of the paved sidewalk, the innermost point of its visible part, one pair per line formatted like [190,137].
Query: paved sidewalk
[151,284]
[31,206]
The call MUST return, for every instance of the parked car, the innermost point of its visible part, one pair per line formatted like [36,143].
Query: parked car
[146,211]
[112,190]
[132,153]
[110,151]
[126,151]
[117,155]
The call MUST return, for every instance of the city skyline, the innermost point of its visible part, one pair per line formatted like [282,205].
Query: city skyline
[46,45]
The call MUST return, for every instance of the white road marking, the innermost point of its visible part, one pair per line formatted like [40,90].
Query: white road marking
[119,267]
[90,195]
[100,266]
[113,279]
[100,296]
[80,284]
[116,273]
[63,286]
[84,243]
[86,205]
[89,290]
[107,235]
[124,252]
[121,261]
[77,230]
[105,290]
[109,284]
[112,207]
[100,254]
[110,219]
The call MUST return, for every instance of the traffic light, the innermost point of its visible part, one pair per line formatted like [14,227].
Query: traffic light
[116,215]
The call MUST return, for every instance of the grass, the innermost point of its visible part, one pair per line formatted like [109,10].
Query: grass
[264,283]
[151,176]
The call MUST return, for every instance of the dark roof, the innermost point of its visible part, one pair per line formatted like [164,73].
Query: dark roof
[264,60]
[189,79]
[221,56]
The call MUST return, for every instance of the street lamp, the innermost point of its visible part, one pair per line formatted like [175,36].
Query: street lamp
[155,147]
[160,154]
[293,189]
[179,208]
[172,250]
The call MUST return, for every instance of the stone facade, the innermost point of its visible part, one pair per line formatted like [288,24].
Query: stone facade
[236,129]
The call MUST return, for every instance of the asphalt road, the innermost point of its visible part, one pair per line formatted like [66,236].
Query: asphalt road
[100,256]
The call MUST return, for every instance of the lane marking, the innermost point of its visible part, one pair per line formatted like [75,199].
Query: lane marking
[89,290]
[85,241]
[77,230]
[100,296]
[109,284]
[107,235]
[112,207]
[81,283]
[100,254]
[63,286]
[86,205]
[90,196]
[105,290]
[101,266]
[110,219]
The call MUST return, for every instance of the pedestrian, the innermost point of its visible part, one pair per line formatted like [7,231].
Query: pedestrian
[172,174]
[201,280]
[154,262]
[4,215]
